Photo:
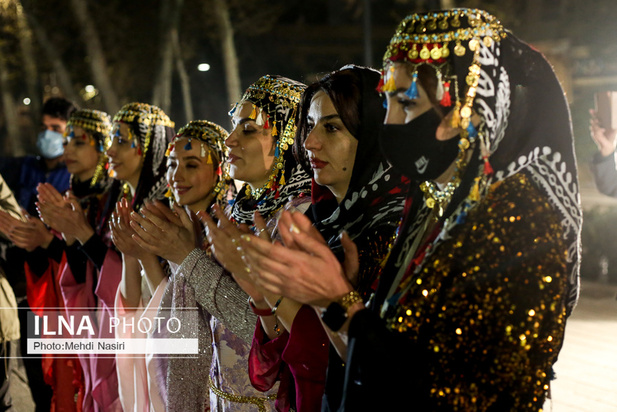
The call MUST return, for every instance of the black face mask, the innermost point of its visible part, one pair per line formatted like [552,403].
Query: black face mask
[413,149]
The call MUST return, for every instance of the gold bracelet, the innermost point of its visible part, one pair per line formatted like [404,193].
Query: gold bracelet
[349,299]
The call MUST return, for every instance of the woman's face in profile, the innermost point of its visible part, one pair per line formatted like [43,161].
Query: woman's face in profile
[124,159]
[251,148]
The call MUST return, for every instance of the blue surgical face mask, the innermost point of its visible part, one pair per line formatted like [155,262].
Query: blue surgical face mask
[49,144]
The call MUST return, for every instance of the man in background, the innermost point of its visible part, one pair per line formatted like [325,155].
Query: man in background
[23,175]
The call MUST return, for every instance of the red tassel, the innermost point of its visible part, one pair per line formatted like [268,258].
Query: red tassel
[380,85]
[445,100]
[219,171]
[267,123]
[488,169]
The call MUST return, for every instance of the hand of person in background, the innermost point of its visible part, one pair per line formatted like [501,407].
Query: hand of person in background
[68,218]
[170,235]
[122,232]
[310,273]
[605,139]
[27,235]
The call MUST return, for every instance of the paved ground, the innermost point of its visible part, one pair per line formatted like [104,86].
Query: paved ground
[586,370]
[587,366]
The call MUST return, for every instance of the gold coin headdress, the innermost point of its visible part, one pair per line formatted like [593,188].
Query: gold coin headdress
[431,39]
[147,116]
[438,40]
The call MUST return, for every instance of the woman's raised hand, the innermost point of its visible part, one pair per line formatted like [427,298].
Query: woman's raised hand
[309,272]
[163,232]
[48,194]
[68,219]
[224,239]
[122,233]
[605,139]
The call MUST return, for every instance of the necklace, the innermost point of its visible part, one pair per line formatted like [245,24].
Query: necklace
[436,198]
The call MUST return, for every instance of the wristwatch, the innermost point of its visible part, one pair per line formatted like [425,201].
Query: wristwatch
[335,315]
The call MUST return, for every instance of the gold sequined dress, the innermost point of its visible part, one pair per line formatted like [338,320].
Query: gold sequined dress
[480,325]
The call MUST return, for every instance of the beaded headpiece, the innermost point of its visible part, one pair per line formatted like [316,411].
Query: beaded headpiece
[434,39]
[150,131]
[211,138]
[275,101]
[98,125]
[146,115]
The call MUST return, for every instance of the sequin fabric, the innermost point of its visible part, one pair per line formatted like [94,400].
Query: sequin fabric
[487,309]
[218,293]
[183,381]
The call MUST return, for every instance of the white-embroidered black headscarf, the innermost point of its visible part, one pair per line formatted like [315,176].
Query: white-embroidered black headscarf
[525,128]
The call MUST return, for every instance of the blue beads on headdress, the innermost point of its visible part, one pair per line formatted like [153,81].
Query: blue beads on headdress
[412,92]
[233,110]
[188,145]
[471,130]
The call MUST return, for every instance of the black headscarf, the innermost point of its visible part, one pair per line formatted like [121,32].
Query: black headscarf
[525,121]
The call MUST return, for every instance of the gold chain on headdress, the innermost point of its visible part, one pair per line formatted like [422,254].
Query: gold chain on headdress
[432,33]
[432,29]
[91,121]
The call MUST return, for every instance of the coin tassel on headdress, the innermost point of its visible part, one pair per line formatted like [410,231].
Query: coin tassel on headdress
[427,40]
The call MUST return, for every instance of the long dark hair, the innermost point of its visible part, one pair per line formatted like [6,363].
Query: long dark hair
[343,88]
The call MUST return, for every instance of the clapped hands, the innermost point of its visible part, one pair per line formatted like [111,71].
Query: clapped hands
[307,271]
[170,234]
[28,234]
[63,214]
